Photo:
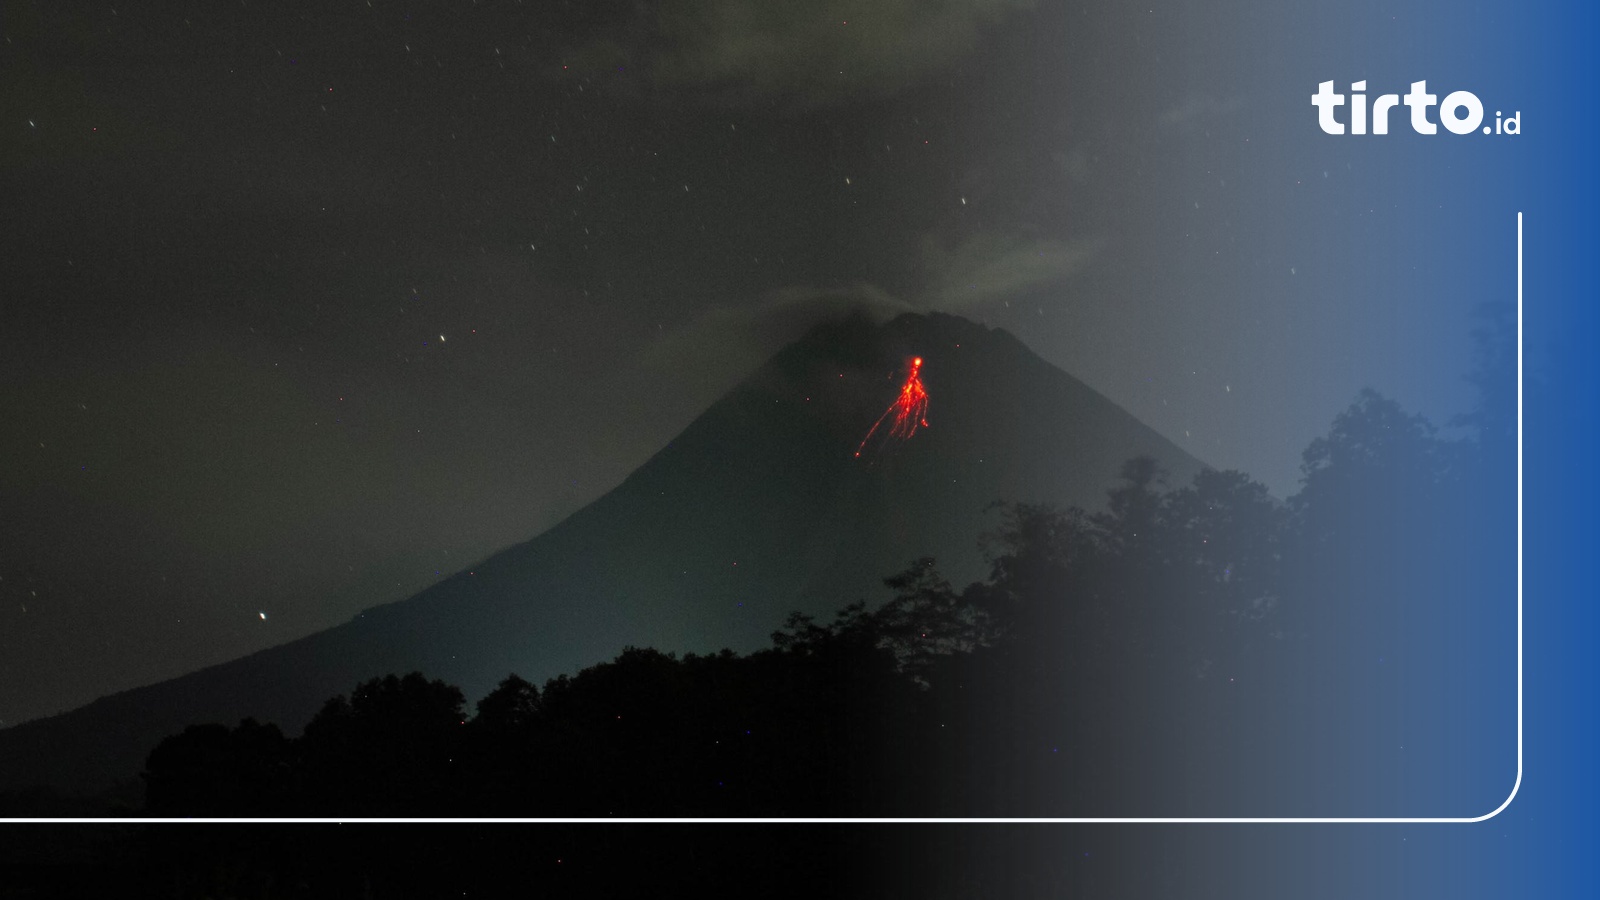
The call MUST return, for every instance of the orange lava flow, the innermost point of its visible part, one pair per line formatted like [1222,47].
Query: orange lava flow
[910,409]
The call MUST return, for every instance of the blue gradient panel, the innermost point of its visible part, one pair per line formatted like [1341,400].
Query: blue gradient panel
[1416,229]
[1544,843]
[1432,228]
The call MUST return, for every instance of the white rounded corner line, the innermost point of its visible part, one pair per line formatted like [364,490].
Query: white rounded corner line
[1515,787]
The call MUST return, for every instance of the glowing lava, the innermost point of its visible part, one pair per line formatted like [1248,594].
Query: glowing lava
[910,409]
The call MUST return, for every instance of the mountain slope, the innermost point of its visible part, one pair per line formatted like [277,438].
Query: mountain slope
[758,508]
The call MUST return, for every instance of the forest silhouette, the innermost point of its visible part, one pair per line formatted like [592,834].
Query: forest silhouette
[1164,655]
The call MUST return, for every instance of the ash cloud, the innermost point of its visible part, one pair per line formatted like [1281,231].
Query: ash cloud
[988,267]
[726,342]
[800,55]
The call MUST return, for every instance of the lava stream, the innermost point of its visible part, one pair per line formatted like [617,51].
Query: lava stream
[909,409]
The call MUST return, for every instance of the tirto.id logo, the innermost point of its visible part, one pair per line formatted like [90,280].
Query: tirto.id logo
[1460,113]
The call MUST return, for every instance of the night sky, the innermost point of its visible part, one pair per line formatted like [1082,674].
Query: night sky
[307,305]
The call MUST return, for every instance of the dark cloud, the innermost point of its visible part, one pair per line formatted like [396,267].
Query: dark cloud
[1199,107]
[1076,164]
[728,341]
[792,54]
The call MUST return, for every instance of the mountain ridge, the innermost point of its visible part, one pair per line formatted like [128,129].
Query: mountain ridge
[755,509]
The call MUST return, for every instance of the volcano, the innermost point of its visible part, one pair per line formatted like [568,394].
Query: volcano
[759,508]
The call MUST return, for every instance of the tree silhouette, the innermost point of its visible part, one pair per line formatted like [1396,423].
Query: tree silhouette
[1132,519]
[390,749]
[212,770]
[927,618]
[513,704]
[1376,462]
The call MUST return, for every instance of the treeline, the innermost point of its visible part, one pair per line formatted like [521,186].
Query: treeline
[880,711]
[1204,649]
